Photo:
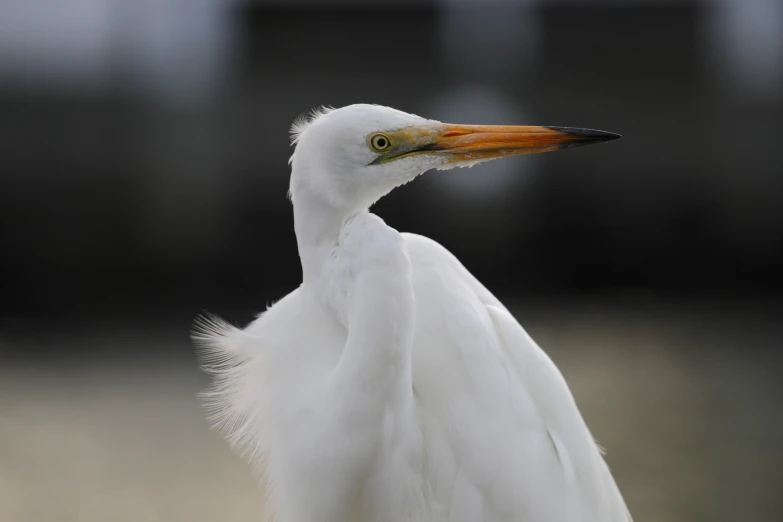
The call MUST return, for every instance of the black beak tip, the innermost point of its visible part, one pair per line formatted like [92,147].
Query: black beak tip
[609,136]
[589,135]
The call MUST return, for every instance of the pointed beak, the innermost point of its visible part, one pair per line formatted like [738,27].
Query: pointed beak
[468,143]
[478,142]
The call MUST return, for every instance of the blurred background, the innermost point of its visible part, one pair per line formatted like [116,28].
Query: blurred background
[143,178]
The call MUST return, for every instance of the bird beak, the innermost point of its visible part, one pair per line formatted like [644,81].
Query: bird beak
[478,142]
[468,143]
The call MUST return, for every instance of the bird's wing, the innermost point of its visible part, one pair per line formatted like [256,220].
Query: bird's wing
[505,440]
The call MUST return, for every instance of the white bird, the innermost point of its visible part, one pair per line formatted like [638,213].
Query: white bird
[392,386]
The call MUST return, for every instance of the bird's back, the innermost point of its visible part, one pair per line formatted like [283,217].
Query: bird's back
[506,440]
[501,436]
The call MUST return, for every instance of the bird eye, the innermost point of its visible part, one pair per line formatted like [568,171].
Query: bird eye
[380,142]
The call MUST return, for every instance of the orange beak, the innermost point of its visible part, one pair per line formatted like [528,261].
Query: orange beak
[466,143]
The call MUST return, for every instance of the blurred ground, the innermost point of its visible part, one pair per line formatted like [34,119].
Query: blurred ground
[685,398]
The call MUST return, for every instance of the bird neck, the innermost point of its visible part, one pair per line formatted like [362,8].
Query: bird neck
[358,269]
[317,223]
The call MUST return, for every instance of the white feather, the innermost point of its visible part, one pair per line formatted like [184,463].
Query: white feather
[302,122]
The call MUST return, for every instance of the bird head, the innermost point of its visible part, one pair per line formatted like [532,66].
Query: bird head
[354,155]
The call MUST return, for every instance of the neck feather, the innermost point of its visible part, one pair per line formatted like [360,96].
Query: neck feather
[317,223]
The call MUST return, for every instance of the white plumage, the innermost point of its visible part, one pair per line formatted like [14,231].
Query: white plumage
[391,386]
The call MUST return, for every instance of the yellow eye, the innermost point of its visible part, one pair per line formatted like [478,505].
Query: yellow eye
[380,142]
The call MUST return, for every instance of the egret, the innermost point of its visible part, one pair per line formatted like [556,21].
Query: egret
[391,385]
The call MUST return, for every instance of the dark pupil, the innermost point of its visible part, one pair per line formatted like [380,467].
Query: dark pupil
[380,143]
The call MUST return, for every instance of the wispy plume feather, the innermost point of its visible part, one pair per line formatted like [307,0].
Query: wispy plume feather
[305,120]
